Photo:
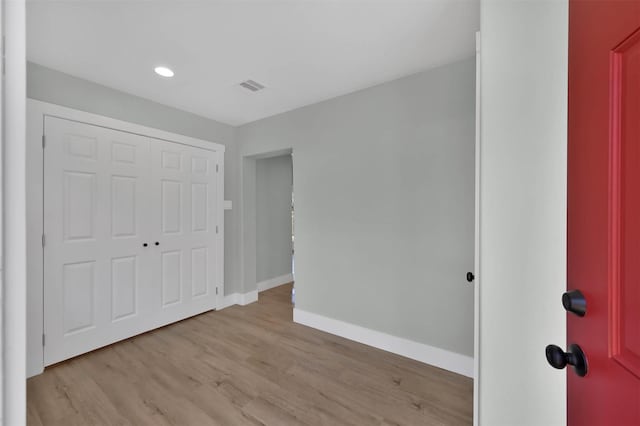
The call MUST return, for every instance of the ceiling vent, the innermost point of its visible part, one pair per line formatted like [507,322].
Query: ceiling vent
[252,85]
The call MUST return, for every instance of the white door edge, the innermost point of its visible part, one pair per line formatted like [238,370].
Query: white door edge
[12,21]
[476,266]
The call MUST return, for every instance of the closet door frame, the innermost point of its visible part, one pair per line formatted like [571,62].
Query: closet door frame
[36,113]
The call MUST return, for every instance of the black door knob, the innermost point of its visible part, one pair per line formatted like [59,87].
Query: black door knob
[574,301]
[157,243]
[145,245]
[470,277]
[559,359]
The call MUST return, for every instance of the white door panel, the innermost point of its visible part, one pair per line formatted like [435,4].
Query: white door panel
[124,287]
[107,194]
[94,228]
[186,188]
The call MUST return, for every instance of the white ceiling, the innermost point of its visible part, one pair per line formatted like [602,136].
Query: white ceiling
[303,51]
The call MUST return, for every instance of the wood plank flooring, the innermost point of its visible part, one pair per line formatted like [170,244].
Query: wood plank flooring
[246,365]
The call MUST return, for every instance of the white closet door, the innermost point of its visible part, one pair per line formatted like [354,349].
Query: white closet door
[131,235]
[96,270]
[184,224]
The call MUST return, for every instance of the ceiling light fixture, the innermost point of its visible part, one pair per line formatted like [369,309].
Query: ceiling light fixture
[164,72]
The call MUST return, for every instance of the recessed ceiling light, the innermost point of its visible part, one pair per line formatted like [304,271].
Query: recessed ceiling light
[164,71]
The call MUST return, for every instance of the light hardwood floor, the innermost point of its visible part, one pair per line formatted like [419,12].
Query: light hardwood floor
[247,365]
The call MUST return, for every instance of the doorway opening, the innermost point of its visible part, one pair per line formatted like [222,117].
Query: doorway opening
[268,220]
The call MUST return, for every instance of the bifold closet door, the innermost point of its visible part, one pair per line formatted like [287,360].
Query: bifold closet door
[131,235]
[96,269]
[184,225]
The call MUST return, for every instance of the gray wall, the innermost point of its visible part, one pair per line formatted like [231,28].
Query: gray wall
[48,85]
[274,178]
[384,187]
[384,196]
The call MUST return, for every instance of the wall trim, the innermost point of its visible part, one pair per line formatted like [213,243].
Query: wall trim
[275,282]
[441,358]
[241,299]
[476,260]
[13,191]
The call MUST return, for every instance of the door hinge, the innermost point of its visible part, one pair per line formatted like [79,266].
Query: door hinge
[43,339]
[217,169]
[43,141]
[216,229]
[43,240]
[216,290]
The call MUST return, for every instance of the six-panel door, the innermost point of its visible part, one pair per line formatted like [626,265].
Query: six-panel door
[130,227]
[604,208]
[184,200]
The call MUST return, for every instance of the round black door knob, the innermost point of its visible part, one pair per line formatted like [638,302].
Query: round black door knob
[157,243]
[559,359]
[575,302]
[556,356]
[470,277]
[145,245]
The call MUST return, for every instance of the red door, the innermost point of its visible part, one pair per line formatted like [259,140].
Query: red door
[604,209]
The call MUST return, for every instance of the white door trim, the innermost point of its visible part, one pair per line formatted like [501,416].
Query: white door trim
[36,111]
[12,19]
[476,262]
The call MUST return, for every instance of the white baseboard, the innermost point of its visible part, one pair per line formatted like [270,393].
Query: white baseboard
[275,282]
[247,298]
[239,299]
[431,355]
[228,300]
[252,296]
